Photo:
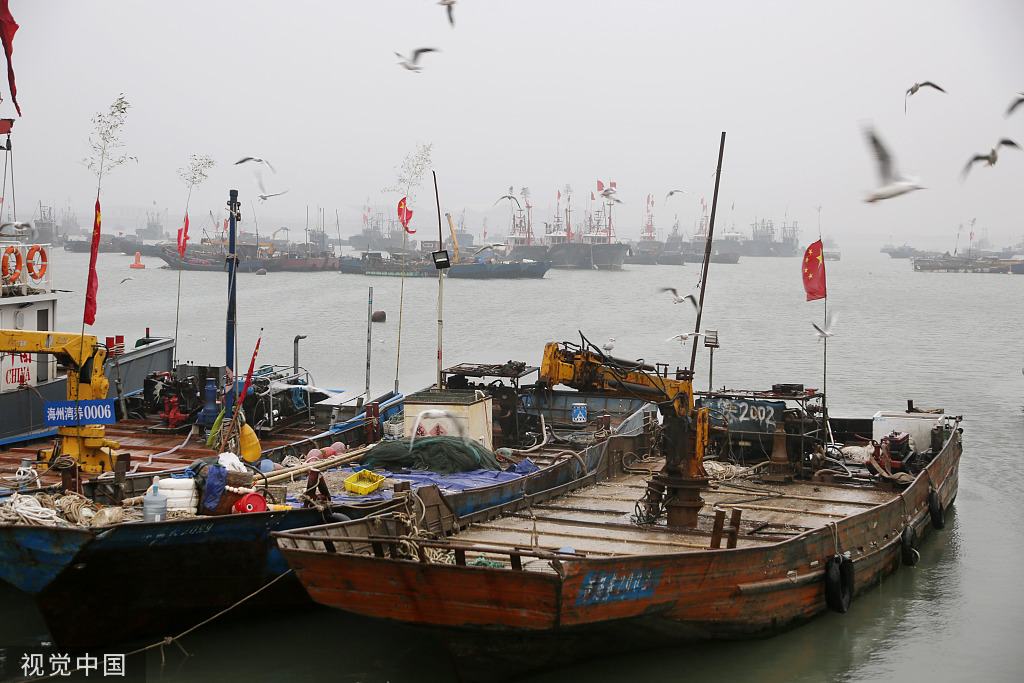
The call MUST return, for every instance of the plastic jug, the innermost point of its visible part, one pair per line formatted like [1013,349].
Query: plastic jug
[154,504]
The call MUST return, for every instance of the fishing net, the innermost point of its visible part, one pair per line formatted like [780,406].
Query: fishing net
[441,454]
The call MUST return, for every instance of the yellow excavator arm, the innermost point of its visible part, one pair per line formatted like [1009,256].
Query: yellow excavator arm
[83,357]
[455,241]
[686,429]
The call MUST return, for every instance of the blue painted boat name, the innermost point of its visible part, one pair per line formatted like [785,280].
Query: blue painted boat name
[63,413]
[601,586]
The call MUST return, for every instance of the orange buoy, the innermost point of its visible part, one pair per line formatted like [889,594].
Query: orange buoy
[138,263]
[251,502]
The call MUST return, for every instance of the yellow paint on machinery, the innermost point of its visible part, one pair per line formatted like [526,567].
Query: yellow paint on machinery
[83,357]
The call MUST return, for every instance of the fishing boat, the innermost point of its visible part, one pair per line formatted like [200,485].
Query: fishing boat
[28,302]
[766,240]
[724,249]
[645,252]
[494,269]
[154,228]
[757,511]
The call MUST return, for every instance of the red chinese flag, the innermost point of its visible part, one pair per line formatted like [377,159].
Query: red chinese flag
[8,27]
[814,272]
[600,186]
[183,237]
[6,125]
[93,284]
[405,215]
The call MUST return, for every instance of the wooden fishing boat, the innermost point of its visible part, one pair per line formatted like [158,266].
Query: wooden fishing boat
[753,519]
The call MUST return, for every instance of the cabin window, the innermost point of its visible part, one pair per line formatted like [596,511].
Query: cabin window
[42,359]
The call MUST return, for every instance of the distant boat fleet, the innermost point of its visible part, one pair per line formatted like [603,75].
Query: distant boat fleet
[980,259]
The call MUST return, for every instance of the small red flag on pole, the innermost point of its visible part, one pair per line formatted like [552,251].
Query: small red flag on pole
[600,186]
[405,215]
[814,272]
[183,237]
[252,365]
[8,27]
[93,282]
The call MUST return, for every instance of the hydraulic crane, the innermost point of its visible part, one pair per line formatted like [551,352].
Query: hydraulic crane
[83,357]
[677,487]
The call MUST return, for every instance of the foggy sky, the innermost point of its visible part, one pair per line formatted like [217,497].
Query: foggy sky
[535,94]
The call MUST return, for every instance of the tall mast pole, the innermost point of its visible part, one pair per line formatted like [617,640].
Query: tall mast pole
[232,321]
[707,250]
[440,285]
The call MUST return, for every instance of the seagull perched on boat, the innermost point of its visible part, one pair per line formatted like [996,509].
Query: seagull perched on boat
[1016,103]
[914,88]
[437,415]
[609,345]
[830,322]
[990,158]
[449,5]
[685,336]
[411,63]
[893,183]
[676,299]
[609,193]
[509,196]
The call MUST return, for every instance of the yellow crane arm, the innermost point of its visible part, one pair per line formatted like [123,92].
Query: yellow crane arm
[455,241]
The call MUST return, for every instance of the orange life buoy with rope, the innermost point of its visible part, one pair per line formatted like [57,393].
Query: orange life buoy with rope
[11,275]
[36,273]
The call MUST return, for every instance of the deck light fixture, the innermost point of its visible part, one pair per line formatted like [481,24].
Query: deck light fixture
[441,260]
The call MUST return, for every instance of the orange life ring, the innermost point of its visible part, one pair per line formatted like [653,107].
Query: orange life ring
[30,262]
[11,275]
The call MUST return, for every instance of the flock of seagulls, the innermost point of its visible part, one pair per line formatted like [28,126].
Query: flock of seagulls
[893,183]
[258,165]
[412,62]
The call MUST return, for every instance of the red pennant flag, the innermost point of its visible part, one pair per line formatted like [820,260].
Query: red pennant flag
[404,215]
[8,27]
[485,234]
[611,184]
[93,282]
[225,225]
[600,186]
[183,237]
[734,205]
[559,194]
[252,364]
[591,196]
[814,272]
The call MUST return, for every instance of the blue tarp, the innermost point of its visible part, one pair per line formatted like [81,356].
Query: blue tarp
[448,483]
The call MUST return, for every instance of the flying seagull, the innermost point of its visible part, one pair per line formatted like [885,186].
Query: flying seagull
[449,5]
[609,193]
[1016,103]
[893,184]
[258,174]
[410,63]
[437,415]
[609,345]
[684,336]
[672,192]
[991,157]
[126,280]
[509,196]
[256,160]
[830,322]
[914,88]
[676,299]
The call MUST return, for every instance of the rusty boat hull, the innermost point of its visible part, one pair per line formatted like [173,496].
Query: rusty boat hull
[565,577]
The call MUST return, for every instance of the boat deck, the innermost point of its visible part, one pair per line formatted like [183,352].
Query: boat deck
[599,520]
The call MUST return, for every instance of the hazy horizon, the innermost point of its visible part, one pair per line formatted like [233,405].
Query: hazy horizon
[531,94]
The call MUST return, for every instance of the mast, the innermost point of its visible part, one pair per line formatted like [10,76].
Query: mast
[707,250]
[233,214]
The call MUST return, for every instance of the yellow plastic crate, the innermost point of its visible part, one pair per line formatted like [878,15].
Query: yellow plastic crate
[363,481]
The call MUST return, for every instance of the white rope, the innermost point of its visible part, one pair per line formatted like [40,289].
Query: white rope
[28,510]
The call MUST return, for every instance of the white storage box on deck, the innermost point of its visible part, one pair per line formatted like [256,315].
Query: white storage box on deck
[181,493]
[471,409]
[918,425]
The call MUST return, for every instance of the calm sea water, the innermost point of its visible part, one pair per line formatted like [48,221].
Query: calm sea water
[942,340]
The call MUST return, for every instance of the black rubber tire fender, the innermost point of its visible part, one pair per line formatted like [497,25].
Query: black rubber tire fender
[839,583]
[935,510]
[908,546]
[339,517]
